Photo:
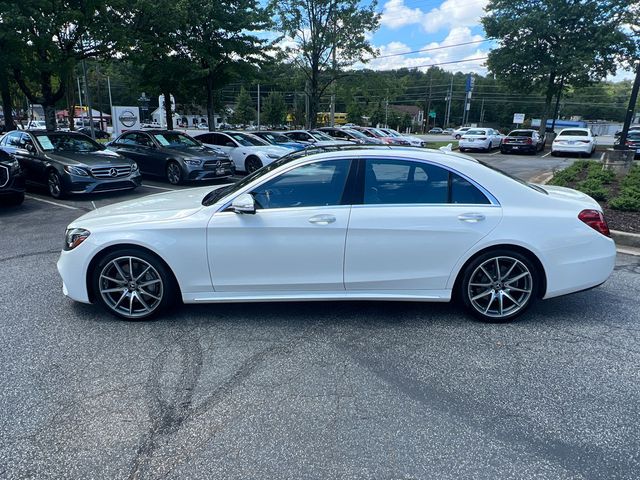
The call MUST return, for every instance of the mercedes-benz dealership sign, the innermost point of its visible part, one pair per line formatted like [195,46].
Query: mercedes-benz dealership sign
[125,118]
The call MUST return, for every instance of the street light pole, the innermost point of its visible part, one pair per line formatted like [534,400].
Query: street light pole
[622,145]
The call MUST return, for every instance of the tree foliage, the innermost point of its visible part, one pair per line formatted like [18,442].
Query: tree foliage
[275,109]
[328,36]
[244,111]
[548,44]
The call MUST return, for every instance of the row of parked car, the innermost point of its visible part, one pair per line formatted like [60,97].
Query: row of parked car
[72,163]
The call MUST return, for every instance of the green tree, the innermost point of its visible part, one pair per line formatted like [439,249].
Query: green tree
[275,109]
[220,38]
[51,37]
[355,112]
[549,44]
[329,35]
[244,112]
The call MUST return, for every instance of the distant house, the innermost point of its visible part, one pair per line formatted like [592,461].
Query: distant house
[81,117]
[416,113]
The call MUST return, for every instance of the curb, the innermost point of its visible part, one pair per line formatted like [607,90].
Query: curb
[625,239]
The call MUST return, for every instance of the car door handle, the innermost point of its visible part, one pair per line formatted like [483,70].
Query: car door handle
[471,217]
[322,219]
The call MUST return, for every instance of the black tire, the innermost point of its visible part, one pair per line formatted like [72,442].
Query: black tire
[523,291]
[490,147]
[554,154]
[55,185]
[457,137]
[13,199]
[462,149]
[167,291]
[503,151]
[251,164]
[174,172]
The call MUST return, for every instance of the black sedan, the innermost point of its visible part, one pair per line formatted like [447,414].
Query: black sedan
[173,155]
[100,134]
[522,140]
[69,162]
[11,180]
[633,142]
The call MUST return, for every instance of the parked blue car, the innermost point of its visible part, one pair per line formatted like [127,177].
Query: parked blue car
[276,138]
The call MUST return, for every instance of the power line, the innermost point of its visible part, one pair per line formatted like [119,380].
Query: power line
[432,49]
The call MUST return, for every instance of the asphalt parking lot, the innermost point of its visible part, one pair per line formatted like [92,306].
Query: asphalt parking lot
[310,390]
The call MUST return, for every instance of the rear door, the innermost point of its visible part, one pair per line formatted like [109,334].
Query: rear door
[414,222]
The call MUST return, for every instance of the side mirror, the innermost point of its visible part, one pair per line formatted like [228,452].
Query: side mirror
[244,204]
[30,147]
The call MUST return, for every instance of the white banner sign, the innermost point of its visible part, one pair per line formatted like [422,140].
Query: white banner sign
[518,118]
[125,118]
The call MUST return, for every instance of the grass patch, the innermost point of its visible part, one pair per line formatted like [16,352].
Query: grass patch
[588,177]
[628,198]
[436,145]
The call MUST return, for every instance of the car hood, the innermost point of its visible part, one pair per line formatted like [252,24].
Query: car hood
[273,149]
[564,193]
[91,159]
[152,208]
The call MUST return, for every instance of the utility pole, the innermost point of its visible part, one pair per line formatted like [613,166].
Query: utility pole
[306,105]
[332,112]
[428,114]
[482,112]
[81,106]
[386,111]
[258,107]
[629,116]
[87,97]
[449,98]
[99,99]
[110,99]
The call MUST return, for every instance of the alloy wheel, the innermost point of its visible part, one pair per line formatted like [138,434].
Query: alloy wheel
[500,287]
[55,185]
[174,174]
[131,287]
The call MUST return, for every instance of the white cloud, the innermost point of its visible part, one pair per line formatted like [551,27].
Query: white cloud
[451,13]
[435,55]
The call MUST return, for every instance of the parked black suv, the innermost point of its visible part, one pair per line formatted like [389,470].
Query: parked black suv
[173,155]
[11,180]
[69,162]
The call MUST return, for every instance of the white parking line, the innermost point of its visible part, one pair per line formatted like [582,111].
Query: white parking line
[159,188]
[546,154]
[496,153]
[52,203]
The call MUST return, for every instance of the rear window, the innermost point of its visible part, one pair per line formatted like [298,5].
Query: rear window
[573,133]
[476,132]
[521,133]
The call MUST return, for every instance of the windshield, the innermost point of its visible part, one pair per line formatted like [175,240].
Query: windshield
[392,133]
[215,195]
[175,140]
[476,132]
[356,133]
[521,133]
[275,137]
[320,136]
[519,180]
[60,142]
[573,133]
[247,140]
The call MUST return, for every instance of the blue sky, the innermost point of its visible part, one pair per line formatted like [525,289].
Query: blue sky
[408,25]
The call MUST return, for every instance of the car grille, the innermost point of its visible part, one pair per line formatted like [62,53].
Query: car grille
[117,171]
[106,187]
[4,175]
[213,164]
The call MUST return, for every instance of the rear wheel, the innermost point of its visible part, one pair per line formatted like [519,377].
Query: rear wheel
[174,173]
[251,164]
[498,286]
[54,183]
[133,284]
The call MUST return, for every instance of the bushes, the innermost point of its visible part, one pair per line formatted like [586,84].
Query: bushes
[586,176]
[629,196]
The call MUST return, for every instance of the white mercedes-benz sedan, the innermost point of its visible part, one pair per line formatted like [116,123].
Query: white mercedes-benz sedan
[352,223]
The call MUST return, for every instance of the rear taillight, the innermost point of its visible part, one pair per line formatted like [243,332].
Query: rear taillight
[595,220]
[482,138]
[584,141]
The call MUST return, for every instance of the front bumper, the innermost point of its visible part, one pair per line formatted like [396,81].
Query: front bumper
[81,185]
[14,185]
[209,172]
[72,267]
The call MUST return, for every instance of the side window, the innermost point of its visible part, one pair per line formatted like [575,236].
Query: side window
[13,139]
[462,191]
[143,140]
[219,139]
[402,182]
[312,185]
[127,139]
[206,138]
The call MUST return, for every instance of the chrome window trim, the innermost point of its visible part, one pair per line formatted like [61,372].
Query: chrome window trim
[8,176]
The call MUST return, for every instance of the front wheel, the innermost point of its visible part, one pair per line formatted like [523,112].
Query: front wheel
[252,164]
[54,183]
[174,173]
[133,284]
[498,286]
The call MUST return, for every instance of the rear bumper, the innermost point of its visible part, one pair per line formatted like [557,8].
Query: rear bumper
[576,148]
[506,147]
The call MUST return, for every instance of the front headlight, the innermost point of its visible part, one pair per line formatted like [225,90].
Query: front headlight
[74,237]
[193,162]
[273,155]
[14,166]
[134,167]
[76,171]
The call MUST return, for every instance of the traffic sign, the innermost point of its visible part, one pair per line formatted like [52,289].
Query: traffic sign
[518,118]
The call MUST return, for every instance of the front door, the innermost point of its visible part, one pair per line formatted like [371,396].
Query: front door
[294,241]
[415,221]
